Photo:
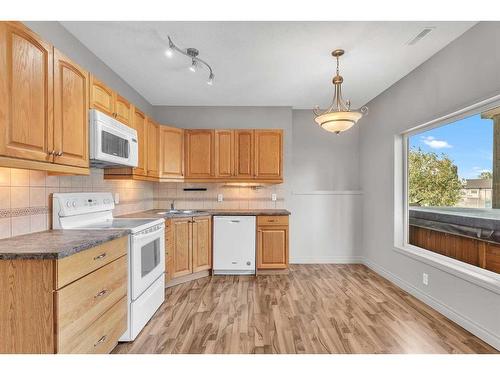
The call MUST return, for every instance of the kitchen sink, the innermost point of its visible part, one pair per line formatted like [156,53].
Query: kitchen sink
[177,212]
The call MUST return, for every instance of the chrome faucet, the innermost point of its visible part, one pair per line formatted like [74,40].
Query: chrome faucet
[172,205]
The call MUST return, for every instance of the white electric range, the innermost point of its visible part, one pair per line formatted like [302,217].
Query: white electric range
[146,253]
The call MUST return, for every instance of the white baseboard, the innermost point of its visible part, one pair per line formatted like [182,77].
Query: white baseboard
[327,260]
[447,311]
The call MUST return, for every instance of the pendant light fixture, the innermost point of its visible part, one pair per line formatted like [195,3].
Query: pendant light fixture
[338,117]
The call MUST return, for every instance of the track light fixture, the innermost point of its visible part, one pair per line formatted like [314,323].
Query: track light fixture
[192,53]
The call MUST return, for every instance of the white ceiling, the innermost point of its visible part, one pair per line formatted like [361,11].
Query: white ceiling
[263,63]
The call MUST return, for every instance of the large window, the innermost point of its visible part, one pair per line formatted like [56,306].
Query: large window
[453,195]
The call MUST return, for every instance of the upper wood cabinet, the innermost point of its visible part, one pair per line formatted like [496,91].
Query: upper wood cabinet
[224,153]
[102,97]
[199,154]
[171,152]
[26,94]
[108,101]
[71,129]
[123,110]
[268,154]
[153,142]
[244,153]
[140,125]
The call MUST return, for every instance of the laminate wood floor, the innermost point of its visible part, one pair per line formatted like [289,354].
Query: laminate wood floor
[314,309]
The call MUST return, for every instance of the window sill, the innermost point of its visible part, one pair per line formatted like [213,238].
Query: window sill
[483,278]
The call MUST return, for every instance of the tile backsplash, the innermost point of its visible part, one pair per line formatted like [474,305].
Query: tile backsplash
[26,207]
[25,197]
[234,197]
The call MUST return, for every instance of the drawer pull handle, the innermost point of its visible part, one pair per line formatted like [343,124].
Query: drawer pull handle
[103,255]
[101,293]
[272,220]
[100,341]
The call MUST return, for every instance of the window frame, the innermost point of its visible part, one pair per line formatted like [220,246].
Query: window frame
[484,278]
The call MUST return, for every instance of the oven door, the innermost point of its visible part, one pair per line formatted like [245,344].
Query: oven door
[114,146]
[147,259]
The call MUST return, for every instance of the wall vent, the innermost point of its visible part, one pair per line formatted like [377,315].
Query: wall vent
[420,36]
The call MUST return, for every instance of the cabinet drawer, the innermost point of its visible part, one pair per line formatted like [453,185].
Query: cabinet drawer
[75,266]
[102,336]
[272,220]
[84,301]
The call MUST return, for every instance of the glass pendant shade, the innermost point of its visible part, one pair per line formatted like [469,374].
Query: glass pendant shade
[337,122]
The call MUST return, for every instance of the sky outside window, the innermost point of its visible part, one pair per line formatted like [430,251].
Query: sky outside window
[468,142]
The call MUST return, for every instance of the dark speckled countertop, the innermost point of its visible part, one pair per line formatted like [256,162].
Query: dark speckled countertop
[55,244]
[164,214]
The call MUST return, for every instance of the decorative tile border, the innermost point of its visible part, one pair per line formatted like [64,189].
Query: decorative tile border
[24,211]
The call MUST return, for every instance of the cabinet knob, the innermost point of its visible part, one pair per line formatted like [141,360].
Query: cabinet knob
[51,152]
[60,153]
[100,341]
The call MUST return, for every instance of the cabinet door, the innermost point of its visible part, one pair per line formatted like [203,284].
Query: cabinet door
[102,97]
[272,247]
[244,150]
[71,126]
[268,154]
[202,243]
[123,110]
[153,141]
[140,125]
[26,94]
[199,153]
[171,152]
[224,153]
[181,247]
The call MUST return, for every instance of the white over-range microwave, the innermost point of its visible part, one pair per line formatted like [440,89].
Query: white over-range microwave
[112,144]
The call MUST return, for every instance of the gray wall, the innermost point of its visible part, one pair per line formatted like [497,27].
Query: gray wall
[461,74]
[54,33]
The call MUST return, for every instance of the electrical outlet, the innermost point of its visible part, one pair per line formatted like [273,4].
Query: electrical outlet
[220,197]
[425,279]
[117,198]
[273,197]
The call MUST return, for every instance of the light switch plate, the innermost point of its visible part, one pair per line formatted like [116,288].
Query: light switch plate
[425,279]
[117,198]
[273,197]
[220,197]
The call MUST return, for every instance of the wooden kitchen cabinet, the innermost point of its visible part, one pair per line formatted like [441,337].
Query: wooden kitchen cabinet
[44,105]
[268,154]
[26,94]
[153,142]
[140,126]
[171,152]
[102,97]
[244,153]
[224,153]
[71,102]
[188,247]
[123,110]
[202,243]
[272,242]
[199,154]
[75,304]
[181,247]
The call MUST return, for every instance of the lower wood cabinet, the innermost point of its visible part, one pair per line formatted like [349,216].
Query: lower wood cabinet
[272,242]
[76,304]
[188,246]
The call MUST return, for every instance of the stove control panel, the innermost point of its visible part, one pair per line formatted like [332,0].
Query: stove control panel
[70,204]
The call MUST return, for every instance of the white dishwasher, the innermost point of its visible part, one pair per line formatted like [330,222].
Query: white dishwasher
[234,245]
